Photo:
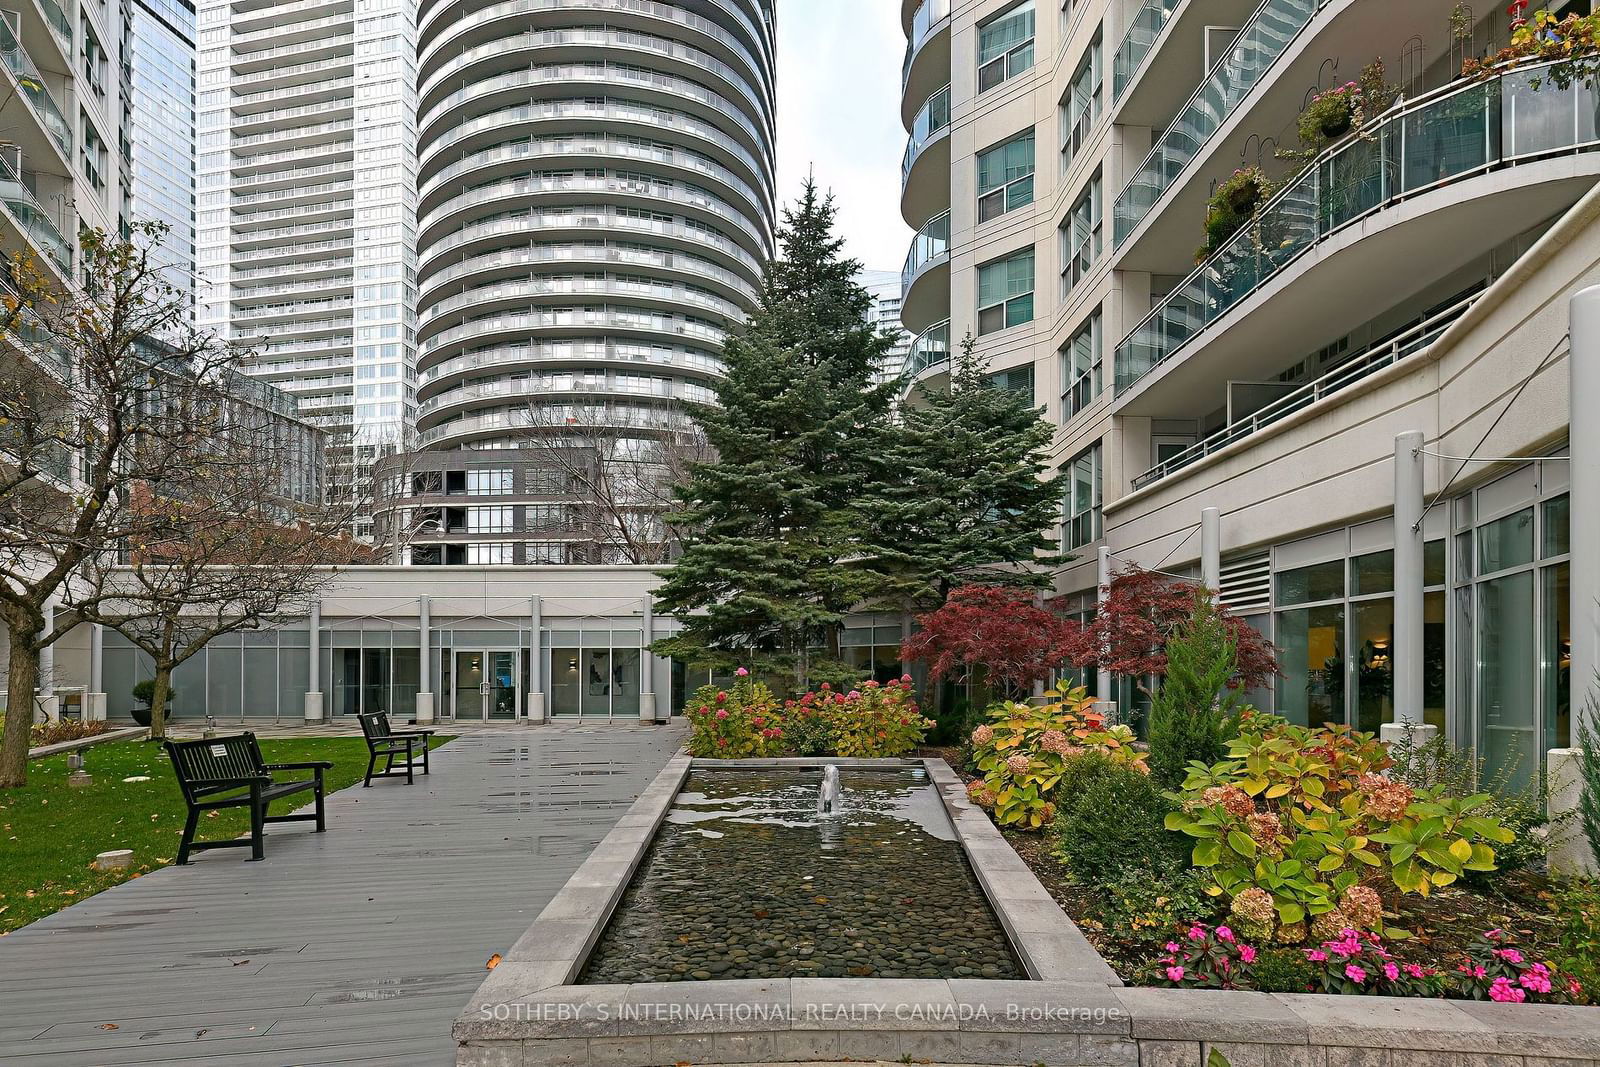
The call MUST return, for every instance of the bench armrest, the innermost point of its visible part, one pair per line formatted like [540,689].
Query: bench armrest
[412,733]
[312,764]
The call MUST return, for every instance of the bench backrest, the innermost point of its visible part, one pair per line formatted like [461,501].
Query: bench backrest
[375,725]
[215,763]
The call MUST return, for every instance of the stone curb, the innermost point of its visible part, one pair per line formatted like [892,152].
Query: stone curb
[125,733]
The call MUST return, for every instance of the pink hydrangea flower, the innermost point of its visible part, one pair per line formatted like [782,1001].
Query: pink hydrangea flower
[1017,765]
[1503,991]
[982,735]
[722,698]
[855,694]
[722,713]
[741,673]
[906,678]
[1174,974]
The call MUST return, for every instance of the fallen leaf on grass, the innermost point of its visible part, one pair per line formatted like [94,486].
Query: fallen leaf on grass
[238,963]
[494,961]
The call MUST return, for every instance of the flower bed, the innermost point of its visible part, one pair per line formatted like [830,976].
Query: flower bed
[748,721]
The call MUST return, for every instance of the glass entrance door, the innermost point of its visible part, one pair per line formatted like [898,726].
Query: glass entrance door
[483,684]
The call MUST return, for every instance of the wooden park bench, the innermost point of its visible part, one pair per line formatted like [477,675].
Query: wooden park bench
[228,772]
[388,744]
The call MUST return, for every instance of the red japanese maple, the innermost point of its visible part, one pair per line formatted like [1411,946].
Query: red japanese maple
[998,628]
[1128,633]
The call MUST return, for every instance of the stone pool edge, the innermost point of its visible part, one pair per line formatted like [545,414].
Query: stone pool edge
[1073,1010]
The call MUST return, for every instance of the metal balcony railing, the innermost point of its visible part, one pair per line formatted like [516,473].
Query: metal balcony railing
[1443,137]
[1362,365]
[1245,62]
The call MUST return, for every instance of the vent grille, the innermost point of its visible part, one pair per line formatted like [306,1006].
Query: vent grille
[1247,584]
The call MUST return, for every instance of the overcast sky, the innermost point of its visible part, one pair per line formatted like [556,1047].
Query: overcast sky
[839,114]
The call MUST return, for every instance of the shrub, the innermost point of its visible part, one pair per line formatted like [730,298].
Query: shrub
[1232,207]
[54,733]
[1576,906]
[741,722]
[1115,825]
[807,729]
[1287,822]
[1023,749]
[1573,42]
[877,721]
[1285,970]
[1140,907]
[1193,715]
[1494,968]
[1589,776]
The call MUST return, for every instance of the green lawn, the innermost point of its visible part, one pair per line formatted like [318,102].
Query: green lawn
[51,832]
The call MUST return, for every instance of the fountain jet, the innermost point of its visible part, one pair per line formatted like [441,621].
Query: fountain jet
[828,794]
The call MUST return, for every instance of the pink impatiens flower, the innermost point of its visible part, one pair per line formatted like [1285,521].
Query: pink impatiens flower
[1503,991]
[1247,953]
[1391,972]
[1536,979]
[1316,955]
[1354,973]
[1224,934]
[1174,974]
[1510,955]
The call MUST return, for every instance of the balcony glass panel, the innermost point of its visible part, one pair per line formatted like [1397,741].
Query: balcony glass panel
[1274,24]
[35,222]
[931,347]
[1143,31]
[1433,140]
[59,23]
[929,15]
[933,117]
[33,87]
[931,242]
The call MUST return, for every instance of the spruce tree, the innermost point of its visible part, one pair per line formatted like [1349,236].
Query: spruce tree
[773,561]
[963,494]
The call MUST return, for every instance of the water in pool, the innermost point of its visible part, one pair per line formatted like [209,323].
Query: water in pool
[747,878]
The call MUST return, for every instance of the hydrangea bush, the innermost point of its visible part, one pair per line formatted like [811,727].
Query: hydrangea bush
[746,721]
[1024,748]
[1300,832]
[739,722]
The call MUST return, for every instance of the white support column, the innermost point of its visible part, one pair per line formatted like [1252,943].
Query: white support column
[1407,640]
[1102,587]
[313,706]
[48,705]
[425,667]
[647,687]
[1211,548]
[536,707]
[1583,435]
[94,701]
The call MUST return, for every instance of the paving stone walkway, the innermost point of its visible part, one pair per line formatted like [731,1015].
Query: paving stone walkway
[358,946]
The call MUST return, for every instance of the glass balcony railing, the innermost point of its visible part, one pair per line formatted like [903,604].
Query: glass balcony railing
[1264,38]
[35,222]
[931,348]
[929,15]
[60,25]
[932,118]
[931,242]
[33,87]
[1460,131]
[1143,30]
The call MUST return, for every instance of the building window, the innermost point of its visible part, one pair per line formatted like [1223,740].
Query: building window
[545,552]
[1005,46]
[1016,380]
[1081,106]
[489,483]
[1081,519]
[1005,292]
[491,520]
[92,154]
[1005,177]
[1080,237]
[1080,367]
[491,554]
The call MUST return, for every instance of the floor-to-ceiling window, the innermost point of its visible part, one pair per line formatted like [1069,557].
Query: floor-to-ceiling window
[594,671]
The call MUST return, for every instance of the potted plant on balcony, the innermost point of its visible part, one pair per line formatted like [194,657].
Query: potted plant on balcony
[1233,205]
[1571,44]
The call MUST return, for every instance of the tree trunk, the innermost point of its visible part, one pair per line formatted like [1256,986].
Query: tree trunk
[158,701]
[22,679]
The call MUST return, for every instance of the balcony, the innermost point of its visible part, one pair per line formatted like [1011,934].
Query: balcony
[1143,30]
[927,61]
[33,87]
[1428,144]
[925,278]
[931,350]
[925,188]
[1260,44]
[32,219]
[1354,369]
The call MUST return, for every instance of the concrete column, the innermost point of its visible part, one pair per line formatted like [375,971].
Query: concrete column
[47,704]
[1569,850]
[313,707]
[94,701]
[647,687]
[1406,643]
[1102,586]
[536,706]
[1211,548]
[425,669]
[1584,435]
[905,635]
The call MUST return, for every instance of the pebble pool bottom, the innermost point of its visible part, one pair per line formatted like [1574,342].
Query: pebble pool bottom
[746,880]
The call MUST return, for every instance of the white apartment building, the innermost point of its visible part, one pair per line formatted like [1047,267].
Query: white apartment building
[884,286]
[306,216]
[1411,276]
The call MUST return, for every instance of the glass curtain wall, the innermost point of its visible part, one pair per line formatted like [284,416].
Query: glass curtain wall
[259,674]
[593,672]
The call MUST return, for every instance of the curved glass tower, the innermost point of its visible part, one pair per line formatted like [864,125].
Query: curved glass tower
[595,203]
